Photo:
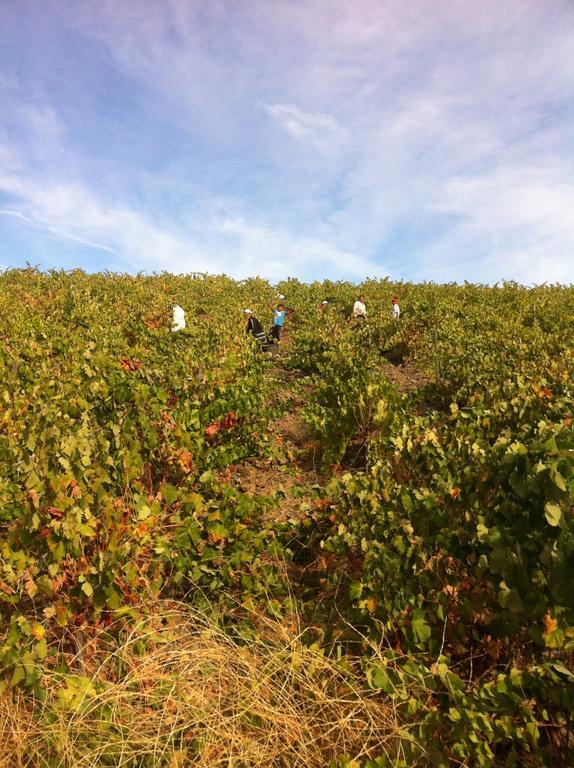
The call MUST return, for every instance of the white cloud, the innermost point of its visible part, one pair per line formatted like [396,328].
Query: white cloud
[403,119]
[14,214]
[318,130]
[520,217]
[512,199]
[272,253]
[222,244]
[43,225]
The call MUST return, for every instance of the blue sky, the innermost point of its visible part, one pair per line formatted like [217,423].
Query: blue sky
[420,139]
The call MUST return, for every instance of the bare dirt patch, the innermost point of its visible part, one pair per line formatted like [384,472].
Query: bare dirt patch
[290,475]
[405,376]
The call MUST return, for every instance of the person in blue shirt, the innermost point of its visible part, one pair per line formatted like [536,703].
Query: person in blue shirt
[279,316]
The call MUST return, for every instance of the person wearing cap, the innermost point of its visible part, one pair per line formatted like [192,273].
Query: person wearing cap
[279,316]
[254,327]
[360,308]
[396,308]
[322,306]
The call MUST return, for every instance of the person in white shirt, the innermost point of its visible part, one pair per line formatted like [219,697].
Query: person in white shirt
[360,308]
[178,321]
[396,308]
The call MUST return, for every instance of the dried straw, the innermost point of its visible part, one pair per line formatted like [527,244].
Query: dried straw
[176,690]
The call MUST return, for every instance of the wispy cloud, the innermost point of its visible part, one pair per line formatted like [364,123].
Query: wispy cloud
[344,139]
[15,215]
[45,226]
[317,130]
[221,244]
[269,252]
[519,217]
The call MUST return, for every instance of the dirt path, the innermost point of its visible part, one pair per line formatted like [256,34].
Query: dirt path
[404,376]
[289,477]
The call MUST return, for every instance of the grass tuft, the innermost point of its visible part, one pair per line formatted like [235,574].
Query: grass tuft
[176,690]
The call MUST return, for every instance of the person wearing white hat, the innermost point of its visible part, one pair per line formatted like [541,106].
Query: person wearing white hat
[254,327]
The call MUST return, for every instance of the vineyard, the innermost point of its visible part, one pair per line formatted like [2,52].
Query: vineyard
[357,552]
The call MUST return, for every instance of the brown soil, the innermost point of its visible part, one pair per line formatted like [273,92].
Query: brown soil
[289,477]
[404,376]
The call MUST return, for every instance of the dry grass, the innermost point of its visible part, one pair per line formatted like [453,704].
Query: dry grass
[176,691]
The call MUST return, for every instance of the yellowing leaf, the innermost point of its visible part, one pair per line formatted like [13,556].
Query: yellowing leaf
[553,513]
[144,512]
[550,624]
[38,631]
[217,532]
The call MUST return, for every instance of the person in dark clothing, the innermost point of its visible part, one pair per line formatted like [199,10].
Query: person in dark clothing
[254,327]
